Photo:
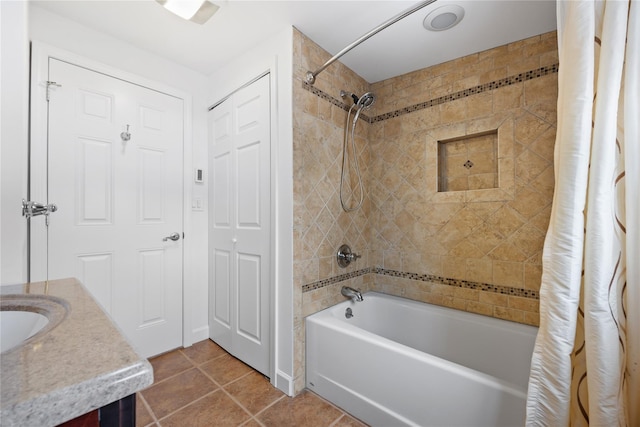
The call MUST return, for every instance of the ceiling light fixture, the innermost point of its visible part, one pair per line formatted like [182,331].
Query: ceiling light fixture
[198,11]
[443,18]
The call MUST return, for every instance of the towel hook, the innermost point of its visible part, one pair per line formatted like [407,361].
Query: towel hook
[126,135]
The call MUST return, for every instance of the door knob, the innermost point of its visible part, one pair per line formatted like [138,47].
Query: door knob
[173,236]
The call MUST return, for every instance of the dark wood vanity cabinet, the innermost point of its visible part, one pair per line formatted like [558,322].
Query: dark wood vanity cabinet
[121,413]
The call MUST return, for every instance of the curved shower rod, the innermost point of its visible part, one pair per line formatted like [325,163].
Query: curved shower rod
[311,75]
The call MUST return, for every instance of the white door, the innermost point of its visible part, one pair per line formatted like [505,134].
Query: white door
[240,225]
[117,199]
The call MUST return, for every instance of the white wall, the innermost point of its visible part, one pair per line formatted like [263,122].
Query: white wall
[64,34]
[21,23]
[14,87]
[274,55]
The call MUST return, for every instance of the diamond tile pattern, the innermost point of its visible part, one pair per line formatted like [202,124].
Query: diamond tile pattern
[494,236]
[205,386]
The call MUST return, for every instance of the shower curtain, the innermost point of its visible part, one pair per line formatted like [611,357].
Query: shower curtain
[586,363]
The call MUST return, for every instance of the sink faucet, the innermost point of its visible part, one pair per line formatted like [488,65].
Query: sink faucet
[349,292]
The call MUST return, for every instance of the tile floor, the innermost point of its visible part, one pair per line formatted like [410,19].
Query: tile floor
[205,386]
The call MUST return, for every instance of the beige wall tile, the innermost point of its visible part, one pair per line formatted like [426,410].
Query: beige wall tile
[479,270]
[532,276]
[524,304]
[508,97]
[508,314]
[493,298]
[507,273]
[532,319]
[480,308]
[480,105]
[477,232]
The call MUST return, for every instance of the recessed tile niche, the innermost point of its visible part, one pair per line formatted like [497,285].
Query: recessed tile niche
[469,162]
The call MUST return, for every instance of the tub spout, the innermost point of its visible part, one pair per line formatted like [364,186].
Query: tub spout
[349,292]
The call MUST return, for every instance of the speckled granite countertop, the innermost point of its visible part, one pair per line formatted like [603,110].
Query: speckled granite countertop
[80,365]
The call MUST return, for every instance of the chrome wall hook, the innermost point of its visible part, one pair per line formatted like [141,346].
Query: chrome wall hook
[126,135]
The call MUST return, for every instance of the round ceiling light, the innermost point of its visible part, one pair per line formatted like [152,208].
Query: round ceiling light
[443,17]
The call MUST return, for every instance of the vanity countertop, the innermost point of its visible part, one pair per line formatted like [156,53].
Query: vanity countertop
[80,365]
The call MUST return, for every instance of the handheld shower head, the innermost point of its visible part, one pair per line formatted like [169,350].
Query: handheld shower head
[366,100]
[363,103]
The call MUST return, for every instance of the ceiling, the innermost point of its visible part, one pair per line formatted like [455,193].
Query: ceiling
[240,25]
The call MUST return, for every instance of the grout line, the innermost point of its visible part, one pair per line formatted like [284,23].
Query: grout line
[233,399]
[270,405]
[206,361]
[208,376]
[168,378]
[337,420]
[252,417]
[184,406]
[149,410]
[240,377]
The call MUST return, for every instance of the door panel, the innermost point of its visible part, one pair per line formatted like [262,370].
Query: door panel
[248,179]
[94,198]
[240,224]
[249,293]
[221,188]
[222,293]
[118,199]
[95,271]
[150,193]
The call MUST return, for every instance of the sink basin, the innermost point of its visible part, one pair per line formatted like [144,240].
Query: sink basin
[17,326]
[26,317]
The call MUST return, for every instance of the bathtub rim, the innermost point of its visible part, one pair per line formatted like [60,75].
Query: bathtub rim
[330,318]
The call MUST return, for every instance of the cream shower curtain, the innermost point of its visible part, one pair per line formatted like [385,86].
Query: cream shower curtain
[586,363]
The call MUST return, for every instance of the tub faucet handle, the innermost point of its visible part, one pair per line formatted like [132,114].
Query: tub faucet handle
[345,256]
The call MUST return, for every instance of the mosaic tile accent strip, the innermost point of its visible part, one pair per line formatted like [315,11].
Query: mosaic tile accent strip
[507,81]
[335,279]
[323,95]
[506,290]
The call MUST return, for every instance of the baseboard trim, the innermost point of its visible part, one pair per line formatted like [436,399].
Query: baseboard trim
[284,383]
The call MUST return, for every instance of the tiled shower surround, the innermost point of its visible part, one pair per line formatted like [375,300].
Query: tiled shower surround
[476,250]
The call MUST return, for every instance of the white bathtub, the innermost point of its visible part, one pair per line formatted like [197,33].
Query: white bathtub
[401,362]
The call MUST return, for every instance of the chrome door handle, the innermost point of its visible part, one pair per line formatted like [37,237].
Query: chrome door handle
[31,209]
[173,236]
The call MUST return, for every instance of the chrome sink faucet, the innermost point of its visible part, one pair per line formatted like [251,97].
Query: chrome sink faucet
[354,294]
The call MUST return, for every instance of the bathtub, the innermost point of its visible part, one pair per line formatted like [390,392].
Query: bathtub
[401,362]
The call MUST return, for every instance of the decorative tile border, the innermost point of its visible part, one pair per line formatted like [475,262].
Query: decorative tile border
[518,292]
[324,95]
[335,279]
[507,81]
[506,290]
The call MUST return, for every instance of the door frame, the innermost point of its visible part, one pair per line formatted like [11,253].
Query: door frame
[38,143]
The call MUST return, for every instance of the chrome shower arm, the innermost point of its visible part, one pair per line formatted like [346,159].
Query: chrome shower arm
[311,75]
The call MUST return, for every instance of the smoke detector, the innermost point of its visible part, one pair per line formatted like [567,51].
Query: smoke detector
[443,17]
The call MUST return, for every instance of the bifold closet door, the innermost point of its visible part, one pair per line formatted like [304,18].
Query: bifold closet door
[239,219]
